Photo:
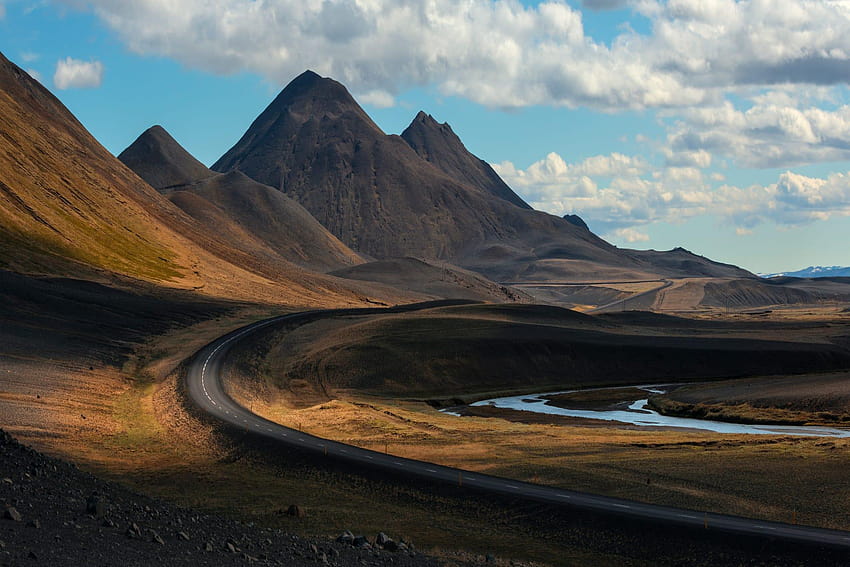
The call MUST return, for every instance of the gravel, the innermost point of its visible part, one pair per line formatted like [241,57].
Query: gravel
[55,514]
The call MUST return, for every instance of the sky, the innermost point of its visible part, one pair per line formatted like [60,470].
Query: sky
[720,126]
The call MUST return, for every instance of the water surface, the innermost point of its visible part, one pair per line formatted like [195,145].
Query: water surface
[637,412]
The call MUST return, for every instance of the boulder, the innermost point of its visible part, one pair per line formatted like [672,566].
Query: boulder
[95,506]
[385,542]
[361,542]
[296,511]
[11,513]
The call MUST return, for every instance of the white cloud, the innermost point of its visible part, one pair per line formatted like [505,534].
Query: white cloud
[29,56]
[765,135]
[377,98]
[633,198]
[75,74]
[35,75]
[2,10]
[630,235]
[499,52]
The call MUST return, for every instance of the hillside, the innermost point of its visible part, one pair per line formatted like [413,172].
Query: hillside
[70,208]
[681,262]
[428,278]
[249,216]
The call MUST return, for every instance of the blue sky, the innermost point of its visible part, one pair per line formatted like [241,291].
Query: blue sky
[716,125]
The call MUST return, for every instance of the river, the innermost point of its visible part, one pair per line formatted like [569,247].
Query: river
[637,412]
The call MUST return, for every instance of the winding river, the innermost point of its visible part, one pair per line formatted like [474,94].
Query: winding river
[638,413]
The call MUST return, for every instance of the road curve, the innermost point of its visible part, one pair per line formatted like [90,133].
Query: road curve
[205,389]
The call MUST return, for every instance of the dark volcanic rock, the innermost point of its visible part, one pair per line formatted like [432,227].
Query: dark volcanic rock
[375,193]
[54,493]
[439,145]
[576,220]
[158,159]
[296,511]
[95,506]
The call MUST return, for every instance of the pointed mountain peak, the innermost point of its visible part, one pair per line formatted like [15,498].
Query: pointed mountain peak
[424,118]
[437,143]
[157,158]
[310,95]
[308,76]
[425,121]
[309,105]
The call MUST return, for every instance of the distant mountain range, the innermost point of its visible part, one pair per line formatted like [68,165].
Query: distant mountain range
[814,272]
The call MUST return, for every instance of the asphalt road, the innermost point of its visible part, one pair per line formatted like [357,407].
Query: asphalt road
[205,389]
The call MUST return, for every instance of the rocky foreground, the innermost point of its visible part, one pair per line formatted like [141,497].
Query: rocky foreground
[55,514]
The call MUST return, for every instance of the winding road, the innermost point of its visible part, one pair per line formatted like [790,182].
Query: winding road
[205,389]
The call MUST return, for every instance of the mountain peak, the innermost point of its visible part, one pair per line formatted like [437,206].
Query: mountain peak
[311,96]
[425,120]
[438,144]
[157,158]
[303,105]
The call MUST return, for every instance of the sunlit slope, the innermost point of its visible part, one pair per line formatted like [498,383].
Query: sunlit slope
[248,215]
[63,198]
[68,207]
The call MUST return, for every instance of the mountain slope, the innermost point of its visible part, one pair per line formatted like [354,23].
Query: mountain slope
[681,262]
[248,215]
[68,207]
[377,195]
[435,280]
[439,145]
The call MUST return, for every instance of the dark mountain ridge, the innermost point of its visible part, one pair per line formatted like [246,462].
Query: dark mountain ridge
[377,195]
[438,144]
[250,216]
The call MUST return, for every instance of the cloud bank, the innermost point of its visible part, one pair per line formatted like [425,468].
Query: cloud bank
[637,195]
[499,52]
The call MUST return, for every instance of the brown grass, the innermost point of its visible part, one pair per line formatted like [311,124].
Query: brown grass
[770,477]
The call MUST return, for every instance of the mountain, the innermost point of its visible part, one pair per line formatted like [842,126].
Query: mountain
[69,208]
[248,215]
[814,272]
[679,261]
[158,159]
[438,144]
[381,198]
